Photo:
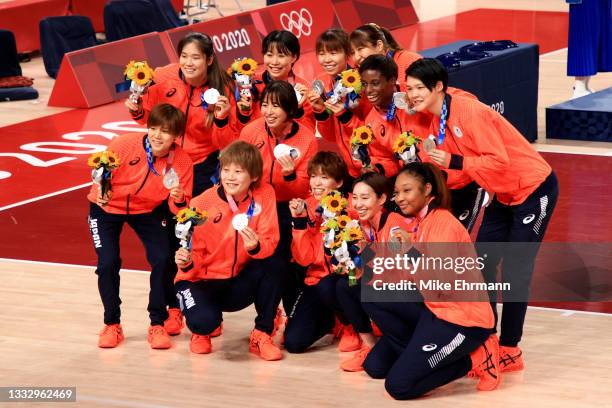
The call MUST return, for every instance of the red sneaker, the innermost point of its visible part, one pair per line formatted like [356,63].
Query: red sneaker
[174,323]
[349,339]
[158,338]
[218,331]
[200,344]
[110,336]
[511,359]
[355,363]
[262,345]
[485,363]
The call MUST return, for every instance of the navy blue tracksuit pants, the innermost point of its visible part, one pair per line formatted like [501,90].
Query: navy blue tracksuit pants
[151,228]
[418,352]
[466,203]
[203,302]
[349,299]
[313,315]
[523,223]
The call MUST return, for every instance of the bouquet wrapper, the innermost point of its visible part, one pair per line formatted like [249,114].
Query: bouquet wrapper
[360,152]
[136,91]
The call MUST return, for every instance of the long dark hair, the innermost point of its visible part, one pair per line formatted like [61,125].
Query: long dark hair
[370,34]
[216,77]
[429,173]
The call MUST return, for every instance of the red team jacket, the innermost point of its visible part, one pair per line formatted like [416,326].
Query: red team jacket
[198,140]
[135,188]
[217,248]
[302,138]
[493,152]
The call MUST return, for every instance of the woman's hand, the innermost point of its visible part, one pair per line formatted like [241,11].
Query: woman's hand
[336,108]
[297,206]
[440,157]
[103,200]
[316,101]
[250,239]
[222,108]
[182,257]
[133,107]
[287,165]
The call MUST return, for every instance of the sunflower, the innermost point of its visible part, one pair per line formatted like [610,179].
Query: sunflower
[129,69]
[329,225]
[139,72]
[246,66]
[337,242]
[352,234]
[193,214]
[334,202]
[351,79]
[343,221]
[404,142]
[94,160]
[363,135]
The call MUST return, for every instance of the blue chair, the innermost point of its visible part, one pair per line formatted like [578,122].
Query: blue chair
[59,35]
[129,18]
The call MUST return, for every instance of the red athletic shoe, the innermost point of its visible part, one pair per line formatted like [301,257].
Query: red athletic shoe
[218,331]
[200,344]
[110,336]
[485,364]
[355,363]
[349,339]
[511,359]
[158,338]
[262,345]
[174,323]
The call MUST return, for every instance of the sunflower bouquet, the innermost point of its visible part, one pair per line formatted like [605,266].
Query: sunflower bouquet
[103,164]
[361,138]
[347,87]
[341,236]
[405,147]
[141,75]
[186,221]
[242,70]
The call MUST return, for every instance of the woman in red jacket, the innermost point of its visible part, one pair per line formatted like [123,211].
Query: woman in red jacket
[428,344]
[197,71]
[232,263]
[370,193]
[479,141]
[138,198]
[333,51]
[372,39]
[281,51]
[313,314]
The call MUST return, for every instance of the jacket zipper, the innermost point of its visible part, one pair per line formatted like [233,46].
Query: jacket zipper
[235,252]
[191,88]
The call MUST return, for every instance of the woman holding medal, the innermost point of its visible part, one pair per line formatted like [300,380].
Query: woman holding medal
[316,309]
[232,264]
[385,121]
[372,39]
[197,84]
[370,193]
[333,51]
[430,343]
[152,170]
[480,142]
[280,50]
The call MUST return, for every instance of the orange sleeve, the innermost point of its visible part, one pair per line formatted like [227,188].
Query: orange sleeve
[481,137]
[327,127]
[305,246]
[267,227]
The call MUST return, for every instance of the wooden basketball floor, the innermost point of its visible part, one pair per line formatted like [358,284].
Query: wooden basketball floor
[50,313]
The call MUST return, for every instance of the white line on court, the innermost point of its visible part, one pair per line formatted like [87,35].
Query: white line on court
[564,312]
[31,200]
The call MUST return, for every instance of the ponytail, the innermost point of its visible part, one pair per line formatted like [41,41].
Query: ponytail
[429,173]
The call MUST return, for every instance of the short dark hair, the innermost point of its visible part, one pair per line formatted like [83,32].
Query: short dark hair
[429,173]
[244,155]
[378,183]
[167,116]
[370,34]
[284,41]
[330,164]
[429,71]
[283,94]
[334,39]
[386,66]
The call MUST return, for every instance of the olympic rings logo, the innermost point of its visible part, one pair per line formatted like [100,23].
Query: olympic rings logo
[298,23]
